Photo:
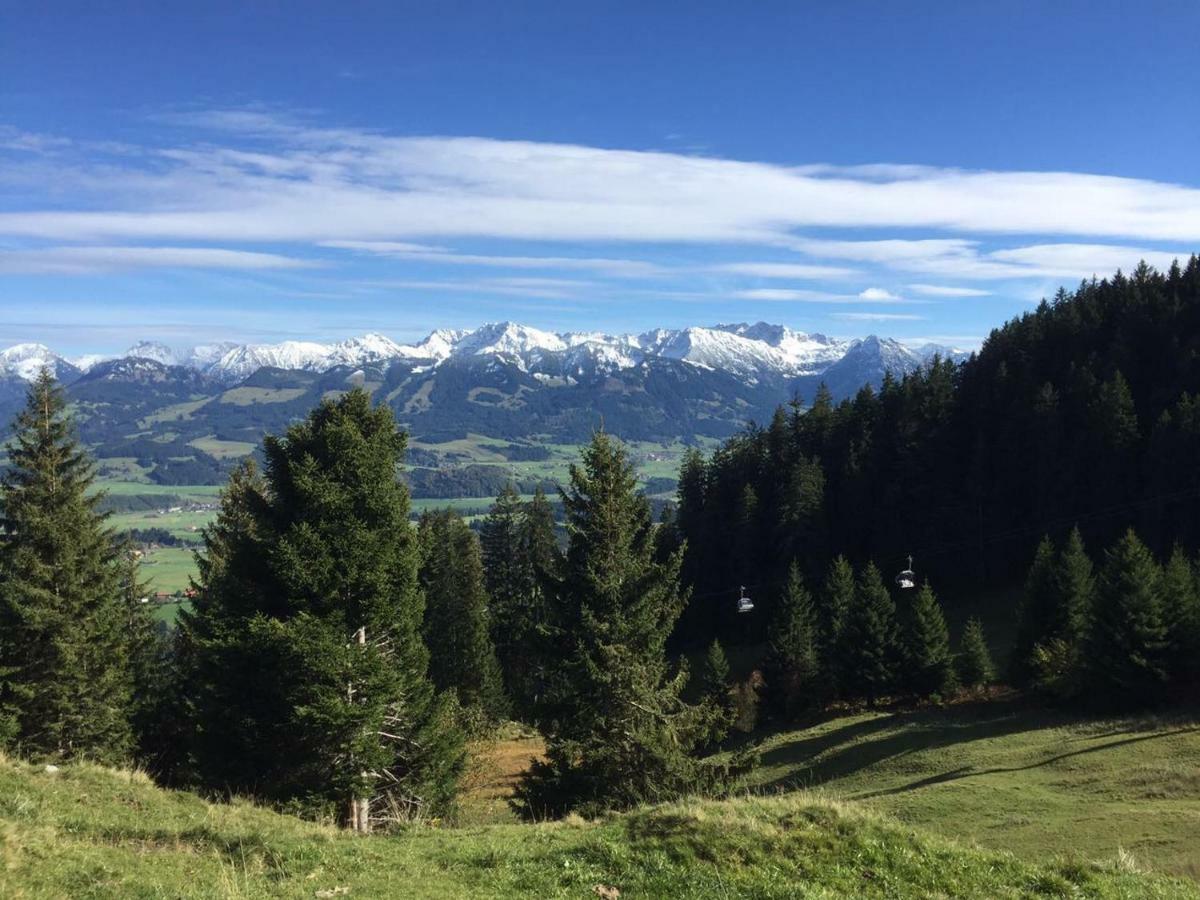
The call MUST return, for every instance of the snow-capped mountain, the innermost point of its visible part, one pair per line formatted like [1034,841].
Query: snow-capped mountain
[750,352]
[24,361]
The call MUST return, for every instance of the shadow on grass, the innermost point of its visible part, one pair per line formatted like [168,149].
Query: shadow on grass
[958,774]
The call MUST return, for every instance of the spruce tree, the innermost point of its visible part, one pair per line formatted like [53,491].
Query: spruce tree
[1036,612]
[928,663]
[1127,650]
[717,689]
[309,676]
[617,732]
[869,653]
[1074,589]
[64,646]
[836,600]
[793,664]
[973,664]
[1181,615]
[456,627]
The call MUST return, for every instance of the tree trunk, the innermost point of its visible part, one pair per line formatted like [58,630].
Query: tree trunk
[360,807]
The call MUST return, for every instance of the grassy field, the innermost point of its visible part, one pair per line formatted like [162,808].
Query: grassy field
[90,832]
[1035,782]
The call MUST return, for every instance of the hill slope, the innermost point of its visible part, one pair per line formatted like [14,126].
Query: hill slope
[86,831]
[1034,782]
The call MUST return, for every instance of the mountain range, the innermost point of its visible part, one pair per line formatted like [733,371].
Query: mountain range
[180,413]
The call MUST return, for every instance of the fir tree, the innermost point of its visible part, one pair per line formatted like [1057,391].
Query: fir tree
[309,674]
[928,663]
[1036,612]
[617,732]
[837,597]
[456,628]
[1074,588]
[973,664]
[717,689]
[1128,641]
[793,664]
[64,646]
[1181,615]
[867,660]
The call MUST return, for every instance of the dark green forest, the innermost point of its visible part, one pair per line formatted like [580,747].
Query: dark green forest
[1083,412]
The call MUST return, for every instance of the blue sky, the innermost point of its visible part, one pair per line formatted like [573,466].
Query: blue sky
[299,170]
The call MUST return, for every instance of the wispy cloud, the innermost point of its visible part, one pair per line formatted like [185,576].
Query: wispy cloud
[878,317]
[945,290]
[784,270]
[802,295]
[302,183]
[86,260]
[619,268]
[879,294]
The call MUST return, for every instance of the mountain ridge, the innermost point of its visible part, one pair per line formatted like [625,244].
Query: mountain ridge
[745,350]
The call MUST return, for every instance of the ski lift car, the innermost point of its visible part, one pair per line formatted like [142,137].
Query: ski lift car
[745,604]
[907,579]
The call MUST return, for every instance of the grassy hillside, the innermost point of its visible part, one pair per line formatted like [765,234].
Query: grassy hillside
[1034,782]
[91,832]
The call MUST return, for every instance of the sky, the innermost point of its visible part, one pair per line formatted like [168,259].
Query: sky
[293,170]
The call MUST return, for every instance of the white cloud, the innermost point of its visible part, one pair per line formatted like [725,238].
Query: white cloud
[802,295]
[878,317]
[942,290]
[784,270]
[311,184]
[84,260]
[545,288]
[874,293]
[620,268]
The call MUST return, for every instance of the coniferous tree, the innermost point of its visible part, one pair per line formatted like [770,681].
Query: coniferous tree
[505,569]
[869,646]
[62,617]
[793,663]
[1074,589]
[456,627]
[309,675]
[1127,649]
[1036,612]
[928,663]
[973,664]
[836,600]
[717,689]
[1181,615]
[617,732]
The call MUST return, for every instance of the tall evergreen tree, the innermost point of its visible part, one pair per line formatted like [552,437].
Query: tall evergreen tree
[456,627]
[309,672]
[1074,589]
[62,617]
[869,646]
[1036,612]
[928,663]
[973,664]
[1127,651]
[617,732]
[793,663]
[1181,615]
[716,687]
[837,598]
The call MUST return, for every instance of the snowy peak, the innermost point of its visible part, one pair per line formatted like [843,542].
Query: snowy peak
[25,361]
[751,352]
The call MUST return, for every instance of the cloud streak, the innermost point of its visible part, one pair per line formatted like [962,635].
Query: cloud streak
[308,184]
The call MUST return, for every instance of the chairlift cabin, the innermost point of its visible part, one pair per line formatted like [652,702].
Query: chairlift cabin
[745,604]
[907,579]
